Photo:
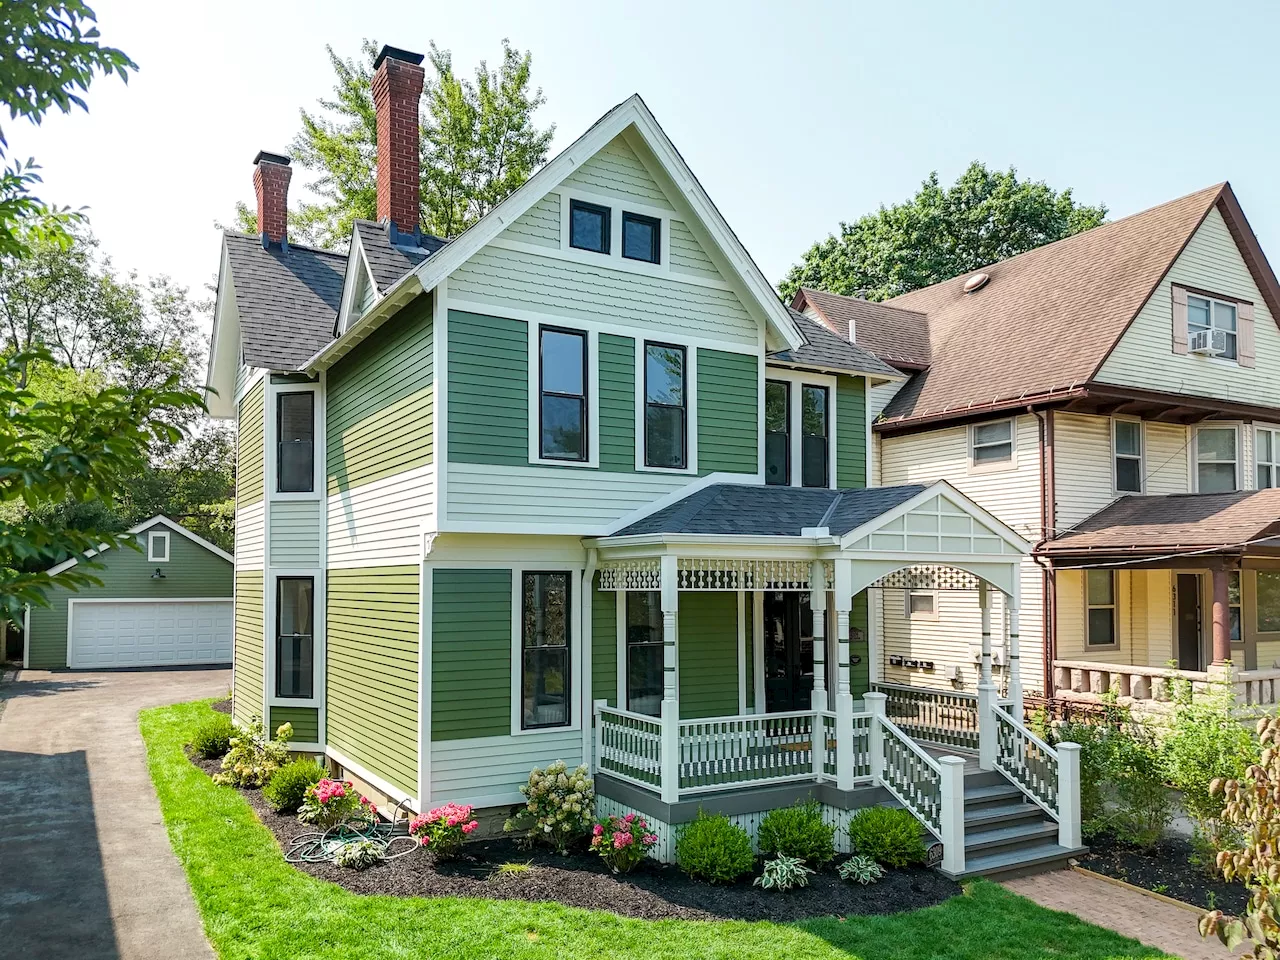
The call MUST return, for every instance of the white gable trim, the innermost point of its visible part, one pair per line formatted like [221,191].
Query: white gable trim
[224,345]
[943,489]
[138,528]
[631,112]
[355,261]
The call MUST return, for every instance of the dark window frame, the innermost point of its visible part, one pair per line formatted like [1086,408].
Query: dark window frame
[310,637]
[786,464]
[825,435]
[683,407]
[607,231]
[629,646]
[656,223]
[567,647]
[584,399]
[280,442]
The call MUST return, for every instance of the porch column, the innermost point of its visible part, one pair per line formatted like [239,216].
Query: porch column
[843,588]
[818,605]
[1221,616]
[670,695]
[986,688]
[1015,660]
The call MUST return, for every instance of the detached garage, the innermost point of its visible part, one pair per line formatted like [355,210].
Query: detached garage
[169,603]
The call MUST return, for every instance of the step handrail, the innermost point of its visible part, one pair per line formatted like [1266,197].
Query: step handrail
[1041,789]
[931,818]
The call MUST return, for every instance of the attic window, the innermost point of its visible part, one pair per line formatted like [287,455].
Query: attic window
[589,226]
[641,238]
[158,546]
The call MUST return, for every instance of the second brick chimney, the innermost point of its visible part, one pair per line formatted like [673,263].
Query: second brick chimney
[397,87]
[271,173]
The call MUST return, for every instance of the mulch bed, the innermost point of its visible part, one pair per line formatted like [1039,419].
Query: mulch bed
[652,891]
[1166,869]
[221,706]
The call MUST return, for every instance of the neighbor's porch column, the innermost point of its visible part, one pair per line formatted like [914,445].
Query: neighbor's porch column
[986,688]
[1221,615]
[670,698]
[818,605]
[843,588]
[1015,628]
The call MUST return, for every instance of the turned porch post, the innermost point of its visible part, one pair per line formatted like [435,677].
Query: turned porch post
[1221,615]
[986,687]
[818,606]
[843,589]
[670,695]
[1015,661]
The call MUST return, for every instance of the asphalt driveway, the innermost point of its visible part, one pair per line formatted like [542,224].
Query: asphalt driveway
[86,869]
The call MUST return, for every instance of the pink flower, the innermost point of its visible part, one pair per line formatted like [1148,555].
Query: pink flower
[597,829]
[424,839]
[470,827]
[649,839]
[622,839]
[629,818]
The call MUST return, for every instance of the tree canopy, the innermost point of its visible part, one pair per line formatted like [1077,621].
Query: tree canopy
[940,233]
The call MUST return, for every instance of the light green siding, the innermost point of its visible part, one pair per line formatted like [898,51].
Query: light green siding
[851,432]
[617,403]
[728,414]
[687,255]
[249,449]
[616,171]
[305,720]
[708,649]
[471,654]
[488,389]
[191,572]
[540,224]
[381,402]
[604,645]
[859,673]
[371,685]
[246,693]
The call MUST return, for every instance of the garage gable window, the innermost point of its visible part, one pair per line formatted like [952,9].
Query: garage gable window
[294,640]
[158,546]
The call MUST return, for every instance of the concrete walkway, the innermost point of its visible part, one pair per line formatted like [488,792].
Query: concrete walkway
[1156,923]
[86,869]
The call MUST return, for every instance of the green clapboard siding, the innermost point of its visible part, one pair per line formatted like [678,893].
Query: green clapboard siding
[379,417]
[851,429]
[708,649]
[249,449]
[191,572]
[728,414]
[860,673]
[305,720]
[371,685]
[246,700]
[470,654]
[488,389]
[617,403]
[604,644]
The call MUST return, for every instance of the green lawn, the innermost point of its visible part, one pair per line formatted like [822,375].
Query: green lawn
[257,906]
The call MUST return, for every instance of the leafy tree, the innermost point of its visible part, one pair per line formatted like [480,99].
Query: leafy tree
[940,233]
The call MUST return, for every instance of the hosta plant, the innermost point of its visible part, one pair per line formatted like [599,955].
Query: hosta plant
[558,806]
[443,829]
[783,873]
[861,870]
[358,855]
[253,759]
[622,842]
[329,803]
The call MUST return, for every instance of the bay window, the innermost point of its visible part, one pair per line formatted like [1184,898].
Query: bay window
[295,643]
[546,630]
[666,412]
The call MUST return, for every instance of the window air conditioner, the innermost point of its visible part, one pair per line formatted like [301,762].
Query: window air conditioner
[1208,343]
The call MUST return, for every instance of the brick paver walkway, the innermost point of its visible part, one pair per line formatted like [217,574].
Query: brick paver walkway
[1156,923]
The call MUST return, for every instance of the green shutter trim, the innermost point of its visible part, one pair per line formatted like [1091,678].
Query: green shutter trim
[860,673]
[708,649]
[749,609]
[371,682]
[305,720]
[728,412]
[249,451]
[488,389]
[246,694]
[381,402]
[851,432]
[471,654]
[604,644]
[617,364]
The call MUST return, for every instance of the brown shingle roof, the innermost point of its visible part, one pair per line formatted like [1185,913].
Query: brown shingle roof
[893,334]
[827,351]
[1173,523]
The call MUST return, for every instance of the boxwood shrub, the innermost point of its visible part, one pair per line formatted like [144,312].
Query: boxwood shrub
[798,832]
[714,849]
[888,835]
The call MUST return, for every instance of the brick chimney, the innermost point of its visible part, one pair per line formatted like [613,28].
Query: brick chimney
[271,173]
[397,86]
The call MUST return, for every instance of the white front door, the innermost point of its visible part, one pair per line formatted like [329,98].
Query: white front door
[147,633]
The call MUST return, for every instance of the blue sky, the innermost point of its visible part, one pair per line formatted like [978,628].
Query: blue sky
[794,116]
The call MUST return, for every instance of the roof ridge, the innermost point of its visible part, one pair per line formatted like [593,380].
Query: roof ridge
[241,235]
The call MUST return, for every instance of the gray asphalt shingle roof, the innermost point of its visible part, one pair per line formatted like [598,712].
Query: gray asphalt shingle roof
[731,509]
[822,348]
[389,262]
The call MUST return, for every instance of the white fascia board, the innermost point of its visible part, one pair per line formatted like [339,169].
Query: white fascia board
[224,353]
[138,528]
[678,540]
[880,378]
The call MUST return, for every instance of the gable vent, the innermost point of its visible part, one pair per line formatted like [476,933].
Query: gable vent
[976,282]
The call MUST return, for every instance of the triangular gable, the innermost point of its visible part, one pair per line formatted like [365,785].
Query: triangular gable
[938,520]
[358,290]
[158,520]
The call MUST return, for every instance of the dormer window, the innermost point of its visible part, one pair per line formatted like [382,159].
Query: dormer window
[641,238]
[589,226]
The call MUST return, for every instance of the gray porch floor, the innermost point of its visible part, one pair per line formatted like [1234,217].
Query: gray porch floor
[970,758]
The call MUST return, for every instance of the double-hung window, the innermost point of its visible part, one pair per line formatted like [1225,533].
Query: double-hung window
[1234,605]
[644,645]
[1217,459]
[991,443]
[295,644]
[641,238]
[1126,444]
[562,394]
[777,432]
[295,442]
[589,227]
[1266,455]
[1209,315]
[814,434]
[1100,601]
[666,411]
[1268,601]
[546,629]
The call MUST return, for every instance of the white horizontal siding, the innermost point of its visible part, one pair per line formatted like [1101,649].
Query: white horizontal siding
[948,641]
[492,769]
[616,171]
[1083,482]
[687,255]
[295,533]
[250,537]
[540,224]
[381,523]
[1167,458]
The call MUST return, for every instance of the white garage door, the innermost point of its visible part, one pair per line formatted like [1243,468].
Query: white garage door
[107,633]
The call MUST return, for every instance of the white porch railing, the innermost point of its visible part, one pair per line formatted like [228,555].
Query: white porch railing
[910,774]
[629,745]
[945,718]
[1049,777]
[720,752]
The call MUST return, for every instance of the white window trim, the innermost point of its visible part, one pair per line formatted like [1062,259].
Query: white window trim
[593,395]
[614,258]
[691,404]
[319,654]
[575,573]
[919,614]
[1195,450]
[998,466]
[1234,305]
[153,538]
[796,382]
[1274,462]
[1141,457]
[1113,606]
[271,423]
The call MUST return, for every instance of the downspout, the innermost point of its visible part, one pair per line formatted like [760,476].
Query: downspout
[1048,525]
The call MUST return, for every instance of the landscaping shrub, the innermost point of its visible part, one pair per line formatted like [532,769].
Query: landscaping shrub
[888,835]
[358,855]
[783,873]
[328,803]
[558,806]
[253,759]
[714,849]
[622,842]
[798,831]
[860,869]
[443,829]
[287,787]
[212,738]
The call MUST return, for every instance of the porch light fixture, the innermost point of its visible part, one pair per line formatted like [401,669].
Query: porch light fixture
[158,575]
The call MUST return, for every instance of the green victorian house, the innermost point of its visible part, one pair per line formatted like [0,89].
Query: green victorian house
[576,485]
